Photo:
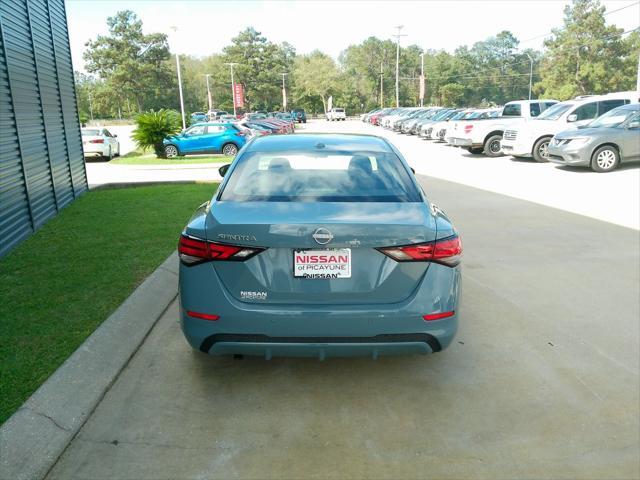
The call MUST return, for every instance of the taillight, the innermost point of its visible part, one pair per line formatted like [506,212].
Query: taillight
[430,317]
[468,128]
[194,250]
[447,251]
[203,316]
[97,140]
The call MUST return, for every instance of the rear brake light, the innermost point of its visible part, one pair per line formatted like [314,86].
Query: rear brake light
[468,128]
[194,250]
[203,316]
[438,316]
[97,140]
[447,251]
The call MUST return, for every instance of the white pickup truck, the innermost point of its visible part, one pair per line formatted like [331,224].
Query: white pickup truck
[485,135]
[336,114]
[531,139]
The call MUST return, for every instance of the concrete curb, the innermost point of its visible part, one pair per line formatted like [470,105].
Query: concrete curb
[33,438]
[109,186]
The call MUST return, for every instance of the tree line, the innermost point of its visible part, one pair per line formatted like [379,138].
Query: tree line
[129,71]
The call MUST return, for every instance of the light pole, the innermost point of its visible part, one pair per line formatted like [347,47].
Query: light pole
[284,93]
[90,104]
[381,86]
[184,123]
[638,77]
[398,35]
[233,93]
[422,79]
[530,74]
[209,99]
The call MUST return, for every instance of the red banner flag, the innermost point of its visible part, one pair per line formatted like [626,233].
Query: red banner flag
[238,95]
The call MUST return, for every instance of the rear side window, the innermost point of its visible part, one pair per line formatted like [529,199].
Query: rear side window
[90,133]
[320,177]
[512,110]
[607,105]
[534,109]
[587,112]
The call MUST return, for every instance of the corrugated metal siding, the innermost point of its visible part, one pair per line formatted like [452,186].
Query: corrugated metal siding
[41,161]
[66,81]
[15,218]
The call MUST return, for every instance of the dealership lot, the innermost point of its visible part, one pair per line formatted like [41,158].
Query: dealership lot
[612,197]
[541,381]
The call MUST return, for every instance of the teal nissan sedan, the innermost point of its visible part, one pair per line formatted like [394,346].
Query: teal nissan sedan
[319,245]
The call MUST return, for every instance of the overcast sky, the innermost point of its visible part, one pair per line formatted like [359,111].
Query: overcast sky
[206,26]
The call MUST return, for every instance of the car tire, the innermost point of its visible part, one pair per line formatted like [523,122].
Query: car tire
[230,149]
[171,151]
[492,146]
[109,157]
[541,150]
[605,159]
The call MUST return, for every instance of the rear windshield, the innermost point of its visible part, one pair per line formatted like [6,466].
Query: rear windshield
[320,177]
[513,110]
[339,109]
[90,133]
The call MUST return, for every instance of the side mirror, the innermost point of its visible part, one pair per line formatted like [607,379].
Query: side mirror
[413,170]
[223,169]
[572,118]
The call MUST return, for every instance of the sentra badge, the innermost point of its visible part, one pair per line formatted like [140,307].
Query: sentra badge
[236,237]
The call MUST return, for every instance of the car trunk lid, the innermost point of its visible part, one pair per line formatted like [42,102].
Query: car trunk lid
[353,230]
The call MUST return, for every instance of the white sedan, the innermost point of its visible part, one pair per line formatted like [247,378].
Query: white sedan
[99,142]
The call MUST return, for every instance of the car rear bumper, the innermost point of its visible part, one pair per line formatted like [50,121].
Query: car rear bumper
[319,347]
[254,328]
[460,142]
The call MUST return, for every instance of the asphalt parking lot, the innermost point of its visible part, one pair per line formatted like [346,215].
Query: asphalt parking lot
[542,380]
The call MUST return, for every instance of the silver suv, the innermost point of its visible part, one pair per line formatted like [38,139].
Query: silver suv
[603,144]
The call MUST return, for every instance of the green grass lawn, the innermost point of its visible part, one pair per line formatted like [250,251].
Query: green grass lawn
[62,282]
[145,158]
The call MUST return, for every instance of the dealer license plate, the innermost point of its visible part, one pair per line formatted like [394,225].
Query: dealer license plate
[319,264]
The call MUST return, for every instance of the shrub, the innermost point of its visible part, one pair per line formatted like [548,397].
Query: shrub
[153,126]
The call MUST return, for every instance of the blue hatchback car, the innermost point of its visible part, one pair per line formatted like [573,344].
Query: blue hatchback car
[319,245]
[211,137]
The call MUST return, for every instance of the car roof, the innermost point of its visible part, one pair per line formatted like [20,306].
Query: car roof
[632,96]
[311,141]
[527,102]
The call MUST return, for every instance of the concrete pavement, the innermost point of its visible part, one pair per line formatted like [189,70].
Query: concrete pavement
[541,382]
[103,173]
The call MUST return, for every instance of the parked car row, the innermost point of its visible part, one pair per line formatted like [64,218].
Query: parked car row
[228,134]
[598,132]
